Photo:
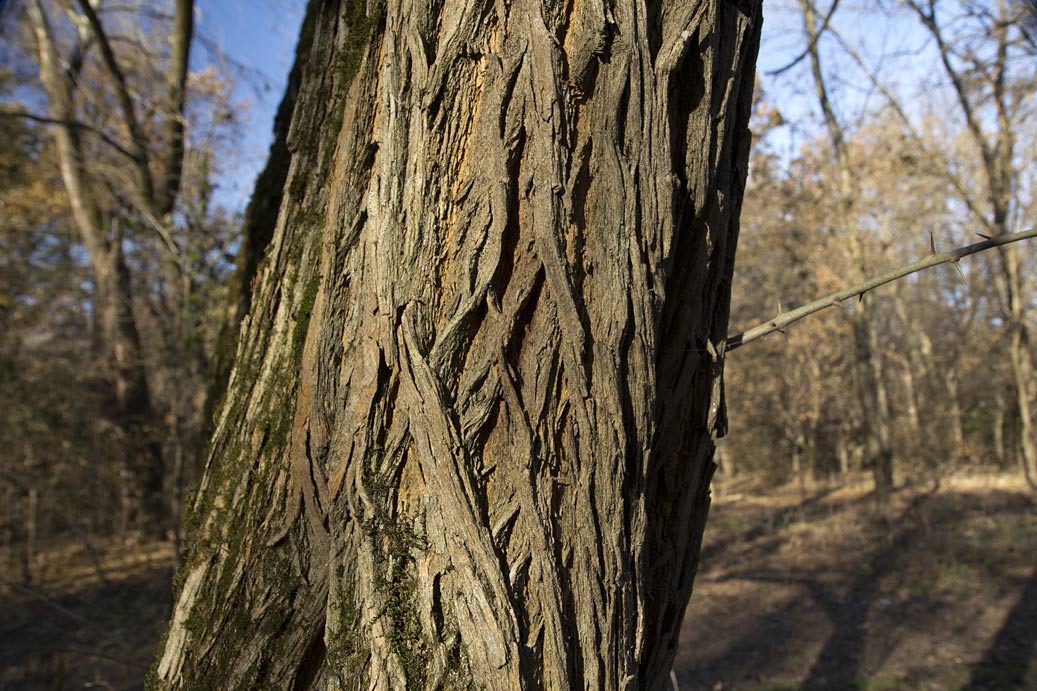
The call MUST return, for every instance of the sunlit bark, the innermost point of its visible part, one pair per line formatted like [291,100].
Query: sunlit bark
[468,437]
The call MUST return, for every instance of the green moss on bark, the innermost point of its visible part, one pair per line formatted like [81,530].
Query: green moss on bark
[347,653]
[302,318]
[397,538]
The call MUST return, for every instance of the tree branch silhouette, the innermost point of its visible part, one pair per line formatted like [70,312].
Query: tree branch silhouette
[935,259]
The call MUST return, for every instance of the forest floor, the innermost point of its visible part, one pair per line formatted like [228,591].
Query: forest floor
[796,591]
[816,590]
[71,629]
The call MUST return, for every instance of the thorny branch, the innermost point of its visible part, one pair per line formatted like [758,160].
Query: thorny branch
[935,259]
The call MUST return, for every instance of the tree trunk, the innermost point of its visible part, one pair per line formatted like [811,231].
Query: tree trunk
[468,436]
[959,450]
[914,372]
[997,148]
[874,404]
[142,465]
[32,523]
[842,453]
[1024,376]
[868,362]
[1000,409]
[911,396]
[256,233]
[725,462]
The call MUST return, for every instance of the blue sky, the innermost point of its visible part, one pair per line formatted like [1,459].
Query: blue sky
[260,36]
[889,40]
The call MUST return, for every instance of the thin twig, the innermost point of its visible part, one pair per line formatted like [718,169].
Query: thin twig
[780,322]
[32,592]
[122,92]
[810,46]
[43,119]
[28,483]
[50,602]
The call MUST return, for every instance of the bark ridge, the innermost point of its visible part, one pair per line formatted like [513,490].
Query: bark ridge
[468,437]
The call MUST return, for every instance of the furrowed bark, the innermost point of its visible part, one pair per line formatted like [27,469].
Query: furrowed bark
[468,437]
[257,231]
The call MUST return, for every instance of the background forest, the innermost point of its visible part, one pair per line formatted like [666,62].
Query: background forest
[884,131]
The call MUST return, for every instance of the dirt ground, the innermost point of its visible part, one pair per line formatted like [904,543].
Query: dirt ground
[73,630]
[819,592]
[796,591]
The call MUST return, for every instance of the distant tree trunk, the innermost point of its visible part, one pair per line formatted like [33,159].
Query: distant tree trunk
[725,462]
[468,436]
[842,452]
[101,222]
[959,445]
[978,81]
[911,396]
[1022,369]
[878,442]
[142,467]
[797,468]
[999,428]
[916,374]
[32,523]
[113,302]
[868,363]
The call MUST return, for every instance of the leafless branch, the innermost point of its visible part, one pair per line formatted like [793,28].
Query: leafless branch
[33,593]
[928,19]
[173,156]
[810,46]
[952,177]
[859,290]
[129,114]
[75,651]
[43,119]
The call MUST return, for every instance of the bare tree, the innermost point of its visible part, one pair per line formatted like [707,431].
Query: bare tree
[986,55]
[874,398]
[151,149]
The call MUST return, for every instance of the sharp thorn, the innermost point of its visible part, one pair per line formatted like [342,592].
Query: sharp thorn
[932,243]
[985,237]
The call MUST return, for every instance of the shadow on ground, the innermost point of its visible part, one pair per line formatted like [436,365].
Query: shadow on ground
[1011,658]
[70,630]
[793,593]
[823,593]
